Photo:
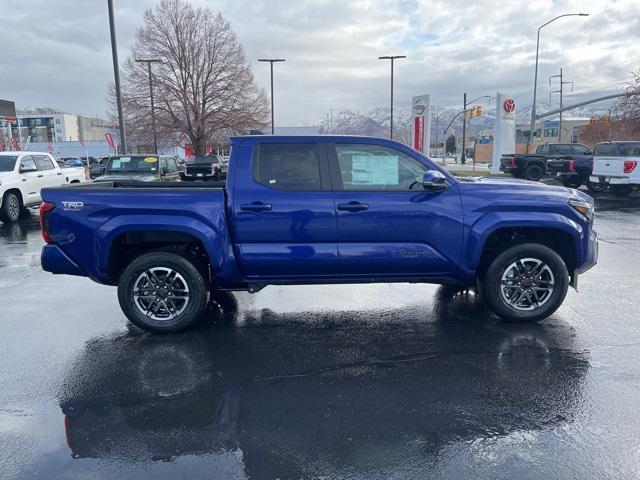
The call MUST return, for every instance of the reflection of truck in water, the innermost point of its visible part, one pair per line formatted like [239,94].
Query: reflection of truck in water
[320,404]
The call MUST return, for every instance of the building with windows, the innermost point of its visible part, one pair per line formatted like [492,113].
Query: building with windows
[56,127]
[548,131]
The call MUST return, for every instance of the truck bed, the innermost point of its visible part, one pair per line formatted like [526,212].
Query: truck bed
[144,185]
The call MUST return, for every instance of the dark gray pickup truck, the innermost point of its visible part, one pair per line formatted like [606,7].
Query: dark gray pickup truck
[533,166]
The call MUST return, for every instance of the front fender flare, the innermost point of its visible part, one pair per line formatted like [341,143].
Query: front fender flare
[480,231]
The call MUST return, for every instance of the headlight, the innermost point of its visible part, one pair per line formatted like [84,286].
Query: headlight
[584,208]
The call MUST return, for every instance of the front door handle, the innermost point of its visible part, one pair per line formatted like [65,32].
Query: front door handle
[40,176]
[255,207]
[353,206]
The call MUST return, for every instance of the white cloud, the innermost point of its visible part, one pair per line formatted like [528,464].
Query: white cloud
[58,53]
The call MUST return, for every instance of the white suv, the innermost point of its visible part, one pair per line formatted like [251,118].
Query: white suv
[616,164]
[24,174]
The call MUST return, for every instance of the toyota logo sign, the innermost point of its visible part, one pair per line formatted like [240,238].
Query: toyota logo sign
[509,105]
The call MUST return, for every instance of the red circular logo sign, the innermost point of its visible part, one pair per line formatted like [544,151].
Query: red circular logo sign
[509,105]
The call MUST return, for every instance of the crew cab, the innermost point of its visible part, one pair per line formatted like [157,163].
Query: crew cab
[24,174]
[616,164]
[320,209]
[533,166]
[142,168]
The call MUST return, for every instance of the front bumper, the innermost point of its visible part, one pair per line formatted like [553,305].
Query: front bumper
[591,253]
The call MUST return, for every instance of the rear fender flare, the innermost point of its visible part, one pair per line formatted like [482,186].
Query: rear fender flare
[213,242]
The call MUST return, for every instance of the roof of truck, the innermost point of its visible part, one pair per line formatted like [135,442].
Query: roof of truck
[308,138]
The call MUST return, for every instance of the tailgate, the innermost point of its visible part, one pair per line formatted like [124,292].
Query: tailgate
[608,166]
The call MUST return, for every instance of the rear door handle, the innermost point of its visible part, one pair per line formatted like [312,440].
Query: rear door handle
[40,176]
[353,206]
[255,207]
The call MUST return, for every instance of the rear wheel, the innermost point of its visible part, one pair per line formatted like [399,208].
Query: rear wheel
[534,173]
[162,292]
[526,283]
[572,182]
[11,206]
[596,187]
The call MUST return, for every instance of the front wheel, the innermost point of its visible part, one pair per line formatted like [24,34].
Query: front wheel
[572,182]
[526,283]
[162,292]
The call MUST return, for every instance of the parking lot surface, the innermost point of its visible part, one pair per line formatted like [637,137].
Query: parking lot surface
[359,382]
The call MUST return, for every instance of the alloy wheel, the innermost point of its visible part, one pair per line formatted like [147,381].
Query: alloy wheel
[527,284]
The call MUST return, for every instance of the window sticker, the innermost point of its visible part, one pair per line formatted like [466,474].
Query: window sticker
[374,170]
[151,160]
[116,163]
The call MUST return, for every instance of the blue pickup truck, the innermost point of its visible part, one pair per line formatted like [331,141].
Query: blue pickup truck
[320,209]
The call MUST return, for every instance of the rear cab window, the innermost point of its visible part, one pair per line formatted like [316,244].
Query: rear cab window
[605,150]
[630,149]
[288,166]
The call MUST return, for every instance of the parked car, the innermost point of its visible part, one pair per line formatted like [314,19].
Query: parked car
[533,166]
[321,209]
[98,167]
[71,162]
[210,167]
[24,174]
[141,168]
[616,164]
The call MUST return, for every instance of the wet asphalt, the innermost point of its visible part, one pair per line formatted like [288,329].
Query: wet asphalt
[395,381]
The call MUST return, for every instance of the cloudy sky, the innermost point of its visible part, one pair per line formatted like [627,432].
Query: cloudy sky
[57,53]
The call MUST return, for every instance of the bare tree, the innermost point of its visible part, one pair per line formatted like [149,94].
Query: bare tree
[628,108]
[204,88]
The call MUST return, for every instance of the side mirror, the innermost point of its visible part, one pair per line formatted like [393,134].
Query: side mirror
[434,181]
[27,169]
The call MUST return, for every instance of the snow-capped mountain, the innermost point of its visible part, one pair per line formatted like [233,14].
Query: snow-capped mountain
[375,122]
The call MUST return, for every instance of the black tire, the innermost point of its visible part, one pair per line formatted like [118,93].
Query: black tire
[11,207]
[534,172]
[189,313]
[492,283]
[572,182]
[596,187]
[621,190]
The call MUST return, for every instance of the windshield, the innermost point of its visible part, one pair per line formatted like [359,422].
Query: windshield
[7,163]
[133,164]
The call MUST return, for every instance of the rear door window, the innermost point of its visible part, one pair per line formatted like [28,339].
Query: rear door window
[43,162]
[605,150]
[288,166]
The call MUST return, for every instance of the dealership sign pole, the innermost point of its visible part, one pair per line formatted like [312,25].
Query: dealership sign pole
[421,124]
[504,137]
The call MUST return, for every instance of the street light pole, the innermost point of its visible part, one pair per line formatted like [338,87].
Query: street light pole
[149,61]
[116,75]
[271,62]
[392,58]
[535,77]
